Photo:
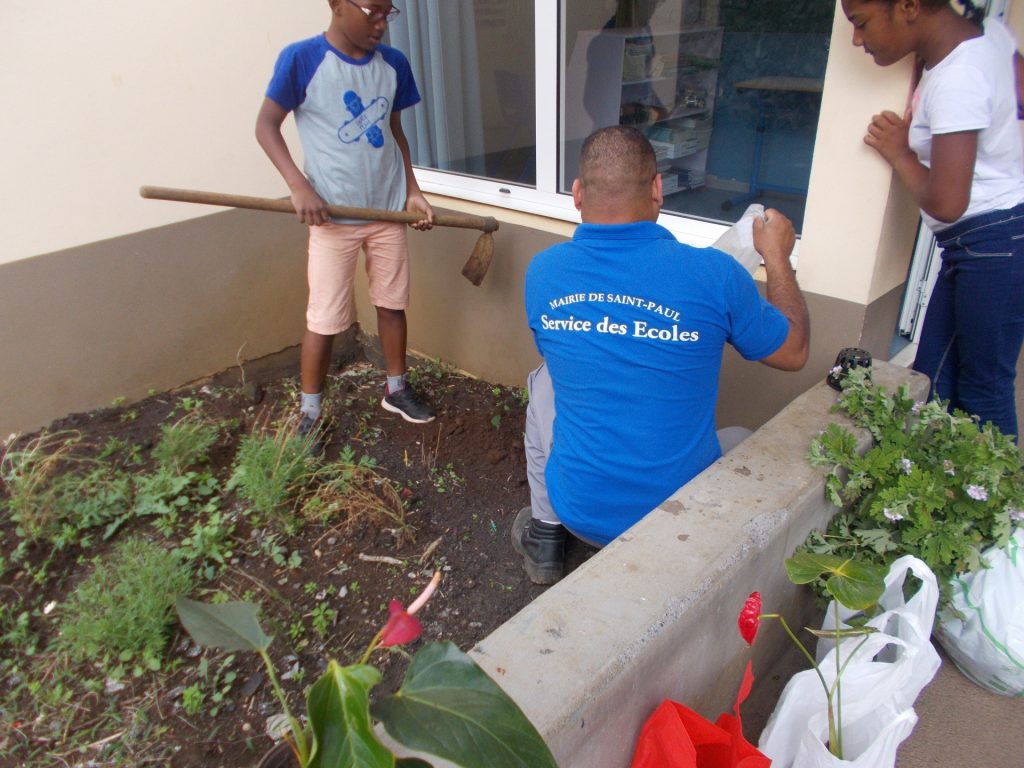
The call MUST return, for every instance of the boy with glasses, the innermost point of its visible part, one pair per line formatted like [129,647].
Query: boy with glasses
[346,90]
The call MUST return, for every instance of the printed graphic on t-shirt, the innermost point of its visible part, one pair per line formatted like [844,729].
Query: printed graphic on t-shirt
[364,120]
[664,327]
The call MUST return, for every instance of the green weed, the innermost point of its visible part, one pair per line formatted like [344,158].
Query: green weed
[323,618]
[192,699]
[209,545]
[445,480]
[122,610]
[354,491]
[185,443]
[54,495]
[271,471]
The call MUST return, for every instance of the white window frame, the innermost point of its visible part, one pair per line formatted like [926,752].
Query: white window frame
[544,199]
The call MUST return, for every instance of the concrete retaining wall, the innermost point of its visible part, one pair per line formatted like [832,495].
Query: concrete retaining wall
[653,615]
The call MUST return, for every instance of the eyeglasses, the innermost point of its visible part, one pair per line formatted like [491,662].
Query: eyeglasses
[374,16]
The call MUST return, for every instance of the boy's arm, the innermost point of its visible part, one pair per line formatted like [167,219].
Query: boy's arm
[308,205]
[414,200]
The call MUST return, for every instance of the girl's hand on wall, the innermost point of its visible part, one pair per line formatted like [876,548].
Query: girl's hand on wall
[888,134]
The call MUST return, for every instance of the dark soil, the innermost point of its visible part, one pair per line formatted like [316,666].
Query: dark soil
[461,480]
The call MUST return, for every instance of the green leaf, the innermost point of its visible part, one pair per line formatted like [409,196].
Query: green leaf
[447,706]
[805,567]
[231,626]
[854,584]
[338,705]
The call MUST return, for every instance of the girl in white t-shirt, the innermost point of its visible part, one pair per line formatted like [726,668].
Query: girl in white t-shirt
[959,152]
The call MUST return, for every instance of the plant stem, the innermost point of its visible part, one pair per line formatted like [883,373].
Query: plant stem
[372,646]
[803,649]
[297,730]
[838,724]
[833,737]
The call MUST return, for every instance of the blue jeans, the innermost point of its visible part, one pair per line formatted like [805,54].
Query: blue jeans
[975,321]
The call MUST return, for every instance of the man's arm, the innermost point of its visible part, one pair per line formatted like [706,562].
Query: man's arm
[308,205]
[774,238]
[415,202]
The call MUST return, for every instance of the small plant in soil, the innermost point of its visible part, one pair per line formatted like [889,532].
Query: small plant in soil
[365,523]
[122,612]
[185,442]
[447,706]
[272,469]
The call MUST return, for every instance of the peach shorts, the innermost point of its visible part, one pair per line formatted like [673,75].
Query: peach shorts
[333,254]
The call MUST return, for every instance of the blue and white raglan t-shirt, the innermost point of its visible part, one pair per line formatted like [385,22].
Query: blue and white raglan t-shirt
[632,324]
[342,110]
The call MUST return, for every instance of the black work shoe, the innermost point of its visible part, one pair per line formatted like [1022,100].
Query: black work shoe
[407,404]
[542,546]
[313,432]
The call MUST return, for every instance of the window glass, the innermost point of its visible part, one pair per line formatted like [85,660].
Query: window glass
[728,92]
[474,64]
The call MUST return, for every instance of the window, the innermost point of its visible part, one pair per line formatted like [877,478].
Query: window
[474,65]
[728,91]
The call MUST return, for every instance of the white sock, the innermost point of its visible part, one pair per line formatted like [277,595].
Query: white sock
[311,405]
[395,383]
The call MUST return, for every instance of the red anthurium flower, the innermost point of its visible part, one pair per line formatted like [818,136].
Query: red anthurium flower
[401,627]
[750,619]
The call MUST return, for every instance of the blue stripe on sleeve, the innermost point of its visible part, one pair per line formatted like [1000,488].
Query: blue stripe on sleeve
[406,93]
[294,69]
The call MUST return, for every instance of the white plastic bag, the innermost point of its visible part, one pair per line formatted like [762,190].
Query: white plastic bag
[738,240]
[880,683]
[983,630]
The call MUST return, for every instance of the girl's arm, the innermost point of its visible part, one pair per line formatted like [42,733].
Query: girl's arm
[415,202]
[943,190]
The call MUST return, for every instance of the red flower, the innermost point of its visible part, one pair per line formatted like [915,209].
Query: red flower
[750,619]
[401,627]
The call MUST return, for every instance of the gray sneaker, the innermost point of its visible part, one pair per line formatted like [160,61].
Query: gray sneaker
[407,404]
[313,432]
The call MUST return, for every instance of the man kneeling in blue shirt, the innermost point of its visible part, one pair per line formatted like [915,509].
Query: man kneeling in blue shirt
[631,325]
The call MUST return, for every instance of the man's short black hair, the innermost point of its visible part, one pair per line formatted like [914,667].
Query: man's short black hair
[617,161]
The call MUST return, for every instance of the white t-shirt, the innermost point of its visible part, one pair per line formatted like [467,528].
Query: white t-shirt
[972,89]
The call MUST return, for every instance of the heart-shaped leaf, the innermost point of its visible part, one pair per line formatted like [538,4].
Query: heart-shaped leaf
[230,626]
[338,705]
[853,584]
[447,706]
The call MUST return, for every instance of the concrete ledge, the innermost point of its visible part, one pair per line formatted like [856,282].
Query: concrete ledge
[653,615]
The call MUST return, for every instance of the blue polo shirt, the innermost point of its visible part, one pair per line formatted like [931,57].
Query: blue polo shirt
[632,325]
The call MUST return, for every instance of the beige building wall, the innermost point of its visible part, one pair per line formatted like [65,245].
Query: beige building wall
[104,97]
[104,294]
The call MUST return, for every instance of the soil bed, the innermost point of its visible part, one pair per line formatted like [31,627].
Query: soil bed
[323,586]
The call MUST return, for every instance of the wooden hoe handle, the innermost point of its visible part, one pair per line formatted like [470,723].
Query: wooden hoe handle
[284,205]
